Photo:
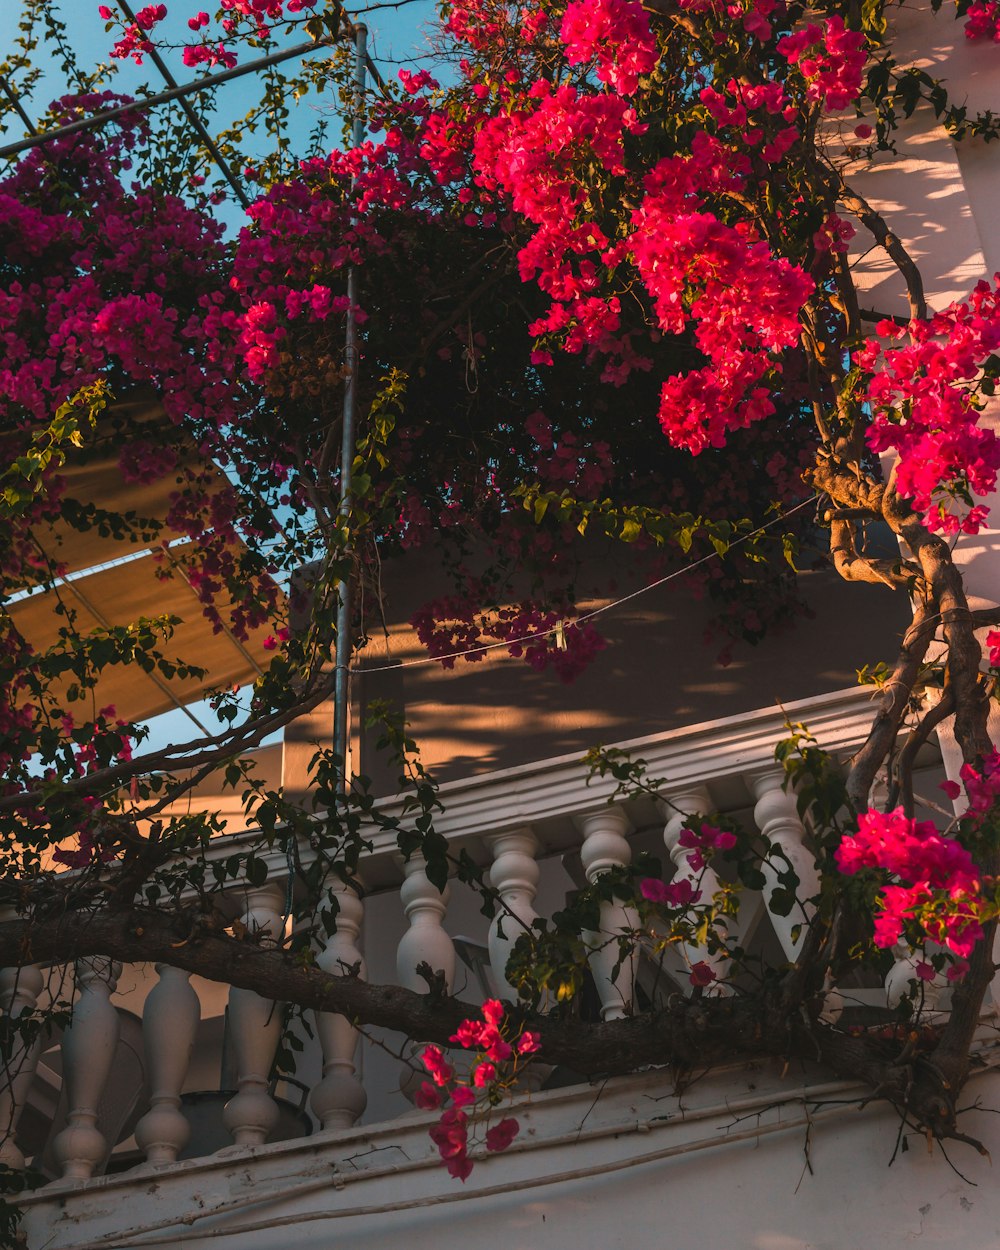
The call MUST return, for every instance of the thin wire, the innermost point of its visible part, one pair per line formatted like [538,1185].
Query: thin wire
[586,616]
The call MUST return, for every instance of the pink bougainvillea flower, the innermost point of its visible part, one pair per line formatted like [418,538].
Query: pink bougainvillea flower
[680,893]
[428,1097]
[500,1136]
[468,1034]
[462,1096]
[937,884]
[493,1012]
[434,1061]
[483,1074]
[451,1136]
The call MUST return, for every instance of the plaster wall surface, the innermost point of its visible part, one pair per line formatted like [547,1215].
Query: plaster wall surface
[746,1157]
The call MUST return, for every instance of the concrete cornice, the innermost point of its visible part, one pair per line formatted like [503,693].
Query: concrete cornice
[530,794]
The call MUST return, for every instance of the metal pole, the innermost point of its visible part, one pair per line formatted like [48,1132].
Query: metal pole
[174,93]
[347,446]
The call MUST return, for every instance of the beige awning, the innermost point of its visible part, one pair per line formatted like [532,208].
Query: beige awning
[93,477]
[121,594]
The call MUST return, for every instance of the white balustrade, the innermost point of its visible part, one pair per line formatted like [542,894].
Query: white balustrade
[254,1029]
[88,1051]
[777,818]
[514,875]
[686,809]
[339,1098]
[19,991]
[169,1024]
[424,942]
[604,848]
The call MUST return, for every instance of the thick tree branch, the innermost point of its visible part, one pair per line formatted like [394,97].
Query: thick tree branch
[892,708]
[688,1033]
[853,567]
[875,224]
[944,584]
[846,485]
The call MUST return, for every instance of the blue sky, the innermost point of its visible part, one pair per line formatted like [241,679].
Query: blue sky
[398,36]
[397,31]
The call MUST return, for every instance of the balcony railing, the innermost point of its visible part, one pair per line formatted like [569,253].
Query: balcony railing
[153,1068]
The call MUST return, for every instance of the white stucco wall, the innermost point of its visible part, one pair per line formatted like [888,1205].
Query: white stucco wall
[748,1158]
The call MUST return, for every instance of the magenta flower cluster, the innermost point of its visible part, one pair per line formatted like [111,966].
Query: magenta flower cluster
[495,1068]
[939,886]
[927,410]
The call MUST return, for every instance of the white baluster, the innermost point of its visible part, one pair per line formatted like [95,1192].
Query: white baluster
[604,848]
[339,1098]
[19,990]
[778,820]
[903,974]
[515,875]
[425,941]
[686,809]
[169,1024]
[254,1029]
[88,1052]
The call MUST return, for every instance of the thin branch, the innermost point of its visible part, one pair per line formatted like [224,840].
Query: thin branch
[201,752]
[903,771]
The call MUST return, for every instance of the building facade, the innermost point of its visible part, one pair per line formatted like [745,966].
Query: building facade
[157,1119]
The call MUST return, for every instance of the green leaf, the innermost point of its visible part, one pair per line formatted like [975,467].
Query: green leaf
[256,871]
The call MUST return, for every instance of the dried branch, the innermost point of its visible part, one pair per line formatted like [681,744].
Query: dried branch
[208,753]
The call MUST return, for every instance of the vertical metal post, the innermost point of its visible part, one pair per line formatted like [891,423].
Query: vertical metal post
[351,355]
